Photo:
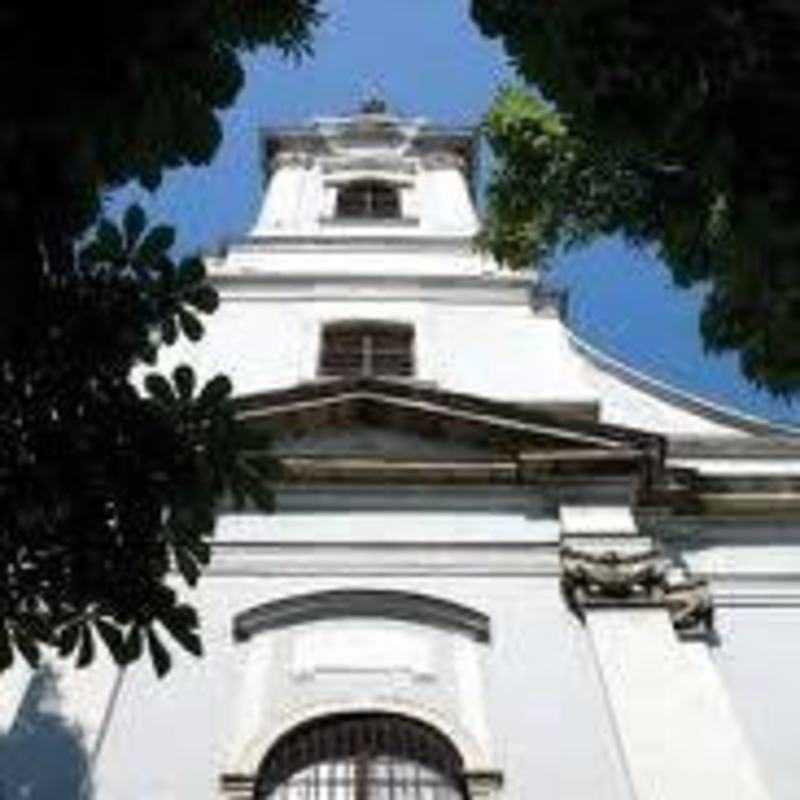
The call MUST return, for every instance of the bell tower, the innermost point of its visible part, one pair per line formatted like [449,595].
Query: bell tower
[369,180]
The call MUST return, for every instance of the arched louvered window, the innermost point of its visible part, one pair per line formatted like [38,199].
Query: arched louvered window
[367,347]
[362,757]
[368,200]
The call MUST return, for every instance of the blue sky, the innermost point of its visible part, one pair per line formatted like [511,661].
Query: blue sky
[428,59]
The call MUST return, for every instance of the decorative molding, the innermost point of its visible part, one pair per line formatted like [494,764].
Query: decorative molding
[378,162]
[588,577]
[689,604]
[443,161]
[613,579]
[289,158]
[386,604]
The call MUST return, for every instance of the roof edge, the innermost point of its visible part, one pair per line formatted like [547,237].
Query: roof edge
[687,401]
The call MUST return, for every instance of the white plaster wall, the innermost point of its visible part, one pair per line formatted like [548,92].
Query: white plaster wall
[759,657]
[259,346]
[300,199]
[368,254]
[471,340]
[546,716]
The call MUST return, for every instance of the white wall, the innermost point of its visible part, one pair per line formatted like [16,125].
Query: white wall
[549,729]
[759,657]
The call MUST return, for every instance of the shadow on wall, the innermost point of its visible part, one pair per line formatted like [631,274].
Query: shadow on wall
[42,757]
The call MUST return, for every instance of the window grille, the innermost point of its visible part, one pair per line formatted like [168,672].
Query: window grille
[366,347]
[368,200]
[362,757]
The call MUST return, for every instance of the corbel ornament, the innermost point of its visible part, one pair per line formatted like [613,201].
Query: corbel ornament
[689,604]
[611,578]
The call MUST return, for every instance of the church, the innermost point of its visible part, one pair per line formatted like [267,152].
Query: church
[502,566]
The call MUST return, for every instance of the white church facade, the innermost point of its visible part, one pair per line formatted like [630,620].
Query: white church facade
[502,565]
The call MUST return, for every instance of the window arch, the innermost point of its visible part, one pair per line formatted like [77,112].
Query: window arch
[367,347]
[375,603]
[368,199]
[367,756]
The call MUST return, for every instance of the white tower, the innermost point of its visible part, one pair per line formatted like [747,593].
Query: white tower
[460,594]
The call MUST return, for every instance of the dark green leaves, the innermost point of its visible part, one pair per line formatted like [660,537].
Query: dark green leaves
[159,389]
[134,224]
[6,651]
[184,379]
[113,639]
[86,650]
[159,654]
[95,479]
[190,325]
[663,148]
[156,245]
[119,491]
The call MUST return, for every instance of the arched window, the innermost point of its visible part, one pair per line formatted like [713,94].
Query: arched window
[368,199]
[362,757]
[367,347]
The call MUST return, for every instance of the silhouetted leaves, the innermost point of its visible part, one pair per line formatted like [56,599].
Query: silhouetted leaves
[107,492]
[162,661]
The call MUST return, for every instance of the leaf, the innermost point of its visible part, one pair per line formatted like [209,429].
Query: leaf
[190,325]
[68,640]
[184,379]
[108,243]
[133,644]
[159,389]
[86,652]
[28,646]
[215,391]
[6,651]
[200,549]
[134,224]
[162,662]
[181,623]
[192,270]
[187,565]
[204,298]
[113,639]
[169,330]
[156,243]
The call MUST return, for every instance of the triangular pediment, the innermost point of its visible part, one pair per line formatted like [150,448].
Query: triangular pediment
[378,420]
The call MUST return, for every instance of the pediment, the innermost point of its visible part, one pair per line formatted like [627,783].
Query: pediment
[360,439]
[371,421]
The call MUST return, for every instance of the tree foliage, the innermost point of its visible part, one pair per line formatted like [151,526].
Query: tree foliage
[677,135]
[108,492]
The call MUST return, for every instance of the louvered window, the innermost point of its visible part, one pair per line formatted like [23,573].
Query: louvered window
[362,757]
[367,347]
[368,200]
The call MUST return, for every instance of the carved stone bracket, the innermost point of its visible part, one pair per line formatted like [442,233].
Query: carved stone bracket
[614,579]
[689,604]
[610,575]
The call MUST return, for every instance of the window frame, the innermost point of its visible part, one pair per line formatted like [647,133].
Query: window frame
[363,195]
[360,357]
[363,751]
